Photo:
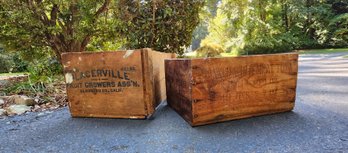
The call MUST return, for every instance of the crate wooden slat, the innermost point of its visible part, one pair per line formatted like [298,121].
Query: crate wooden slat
[122,84]
[205,91]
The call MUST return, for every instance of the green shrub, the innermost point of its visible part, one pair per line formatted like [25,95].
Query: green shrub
[270,44]
[20,65]
[43,74]
[209,50]
[43,68]
[339,35]
[164,25]
[12,62]
[6,64]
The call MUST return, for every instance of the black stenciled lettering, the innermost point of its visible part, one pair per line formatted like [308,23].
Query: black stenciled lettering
[130,68]
[94,73]
[87,74]
[113,74]
[99,73]
[135,84]
[105,73]
[119,75]
[74,85]
[111,90]
[125,84]
[100,84]
[126,76]
[81,76]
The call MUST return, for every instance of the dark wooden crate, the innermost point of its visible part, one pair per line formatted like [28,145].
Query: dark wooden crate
[210,90]
[121,84]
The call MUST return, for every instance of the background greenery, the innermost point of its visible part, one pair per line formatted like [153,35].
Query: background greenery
[273,26]
[33,34]
[38,30]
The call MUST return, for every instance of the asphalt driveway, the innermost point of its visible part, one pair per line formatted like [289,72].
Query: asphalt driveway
[319,123]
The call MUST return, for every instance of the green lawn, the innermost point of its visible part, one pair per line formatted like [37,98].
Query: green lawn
[345,56]
[12,74]
[323,51]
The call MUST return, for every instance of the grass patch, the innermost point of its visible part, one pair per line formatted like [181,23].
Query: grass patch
[345,56]
[12,74]
[323,51]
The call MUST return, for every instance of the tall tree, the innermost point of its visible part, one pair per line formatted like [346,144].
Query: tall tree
[268,26]
[60,25]
[164,25]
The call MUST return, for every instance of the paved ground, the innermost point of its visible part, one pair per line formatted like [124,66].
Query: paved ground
[319,123]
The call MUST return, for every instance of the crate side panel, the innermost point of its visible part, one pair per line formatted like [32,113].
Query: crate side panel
[178,85]
[106,84]
[148,80]
[234,88]
[158,72]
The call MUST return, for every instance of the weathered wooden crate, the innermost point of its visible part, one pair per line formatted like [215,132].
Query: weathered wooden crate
[211,90]
[122,84]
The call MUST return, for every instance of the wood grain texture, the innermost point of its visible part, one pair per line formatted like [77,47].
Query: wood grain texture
[158,73]
[110,84]
[234,88]
[148,80]
[178,83]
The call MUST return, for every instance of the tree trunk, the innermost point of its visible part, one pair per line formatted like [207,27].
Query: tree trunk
[309,30]
[285,17]
[262,10]
[59,42]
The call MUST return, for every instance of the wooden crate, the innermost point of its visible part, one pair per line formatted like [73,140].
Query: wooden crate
[210,90]
[122,84]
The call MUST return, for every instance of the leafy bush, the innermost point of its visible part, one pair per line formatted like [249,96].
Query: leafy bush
[261,27]
[44,68]
[43,74]
[209,50]
[339,35]
[270,44]
[61,25]
[6,64]
[20,65]
[12,62]
[164,25]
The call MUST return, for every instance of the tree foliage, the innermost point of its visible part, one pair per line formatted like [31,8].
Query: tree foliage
[164,25]
[61,25]
[270,26]
[207,14]
[39,26]
[209,50]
